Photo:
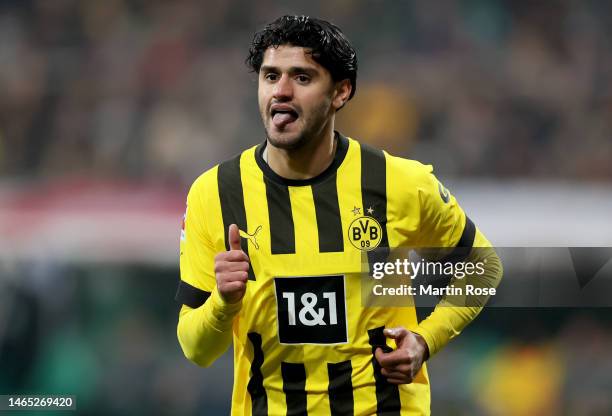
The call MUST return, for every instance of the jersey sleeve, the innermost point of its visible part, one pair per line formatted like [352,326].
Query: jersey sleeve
[196,252]
[442,221]
[205,322]
[447,234]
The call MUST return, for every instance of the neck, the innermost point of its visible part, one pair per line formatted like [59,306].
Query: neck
[307,161]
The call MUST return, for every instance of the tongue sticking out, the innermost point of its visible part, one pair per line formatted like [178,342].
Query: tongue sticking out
[282,119]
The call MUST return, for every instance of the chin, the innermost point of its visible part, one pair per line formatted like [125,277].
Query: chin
[287,141]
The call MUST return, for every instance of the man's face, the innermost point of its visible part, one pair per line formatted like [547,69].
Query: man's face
[297,96]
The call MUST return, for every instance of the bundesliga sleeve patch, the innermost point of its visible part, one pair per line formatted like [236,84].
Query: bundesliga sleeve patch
[183,225]
[311,310]
[444,194]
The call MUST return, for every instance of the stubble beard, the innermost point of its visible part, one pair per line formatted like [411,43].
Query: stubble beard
[291,143]
[310,131]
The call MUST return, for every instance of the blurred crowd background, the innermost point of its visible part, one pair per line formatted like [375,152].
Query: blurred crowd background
[115,107]
[157,89]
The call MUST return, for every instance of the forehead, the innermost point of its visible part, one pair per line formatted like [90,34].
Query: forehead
[288,56]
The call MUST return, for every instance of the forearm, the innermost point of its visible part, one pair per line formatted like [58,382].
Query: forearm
[205,333]
[454,313]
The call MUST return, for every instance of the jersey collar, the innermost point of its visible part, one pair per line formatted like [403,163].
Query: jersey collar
[341,150]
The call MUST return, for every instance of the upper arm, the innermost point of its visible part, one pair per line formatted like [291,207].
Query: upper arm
[197,251]
[443,223]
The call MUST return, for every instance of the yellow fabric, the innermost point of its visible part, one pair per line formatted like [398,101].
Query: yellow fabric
[205,333]
[448,320]
[416,217]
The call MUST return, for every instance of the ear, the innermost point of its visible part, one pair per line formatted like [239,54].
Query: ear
[342,92]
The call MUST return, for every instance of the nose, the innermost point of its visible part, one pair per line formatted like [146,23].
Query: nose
[283,89]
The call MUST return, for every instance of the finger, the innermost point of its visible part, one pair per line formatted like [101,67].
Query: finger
[233,287]
[395,333]
[232,266]
[233,277]
[233,236]
[401,368]
[400,371]
[399,380]
[234,255]
[379,354]
[392,373]
[393,358]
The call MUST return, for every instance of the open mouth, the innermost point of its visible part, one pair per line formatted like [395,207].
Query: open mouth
[283,116]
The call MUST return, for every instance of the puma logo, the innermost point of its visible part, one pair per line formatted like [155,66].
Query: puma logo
[251,237]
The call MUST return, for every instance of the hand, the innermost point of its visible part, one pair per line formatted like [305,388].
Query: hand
[231,269]
[403,364]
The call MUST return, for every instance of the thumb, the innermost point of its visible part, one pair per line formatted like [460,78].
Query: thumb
[395,333]
[233,236]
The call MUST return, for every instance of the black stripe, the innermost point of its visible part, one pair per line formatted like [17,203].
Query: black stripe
[282,234]
[232,202]
[327,209]
[190,295]
[468,235]
[460,253]
[340,388]
[374,195]
[387,394]
[464,247]
[255,387]
[294,386]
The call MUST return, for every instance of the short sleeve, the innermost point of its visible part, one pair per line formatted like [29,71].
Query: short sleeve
[196,252]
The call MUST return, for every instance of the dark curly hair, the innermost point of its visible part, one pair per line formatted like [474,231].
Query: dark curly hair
[327,45]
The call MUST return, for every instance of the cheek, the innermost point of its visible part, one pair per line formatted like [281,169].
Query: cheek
[318,102]
[262,95]
[319,107]
[262,102]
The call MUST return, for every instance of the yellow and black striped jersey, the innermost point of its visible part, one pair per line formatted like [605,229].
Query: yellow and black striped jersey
[303,339]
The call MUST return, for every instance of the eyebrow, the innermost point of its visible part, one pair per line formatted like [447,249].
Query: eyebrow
[292,70]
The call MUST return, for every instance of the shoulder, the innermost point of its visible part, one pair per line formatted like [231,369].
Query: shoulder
[409,180]
[408,168]
[401,171]
[204,183]
[208,181]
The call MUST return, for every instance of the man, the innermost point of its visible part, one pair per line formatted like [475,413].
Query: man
[275,241]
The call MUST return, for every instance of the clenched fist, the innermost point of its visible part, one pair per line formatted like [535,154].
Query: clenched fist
[231,269]
[402,365]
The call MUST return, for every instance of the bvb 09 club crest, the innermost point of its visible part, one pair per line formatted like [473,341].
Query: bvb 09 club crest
[365,233]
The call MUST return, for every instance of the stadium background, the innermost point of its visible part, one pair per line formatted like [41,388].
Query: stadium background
[110,109]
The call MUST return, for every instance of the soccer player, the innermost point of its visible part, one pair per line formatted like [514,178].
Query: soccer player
[275,239]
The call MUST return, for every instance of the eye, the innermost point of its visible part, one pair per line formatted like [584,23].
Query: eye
[302,78]
[270,76]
